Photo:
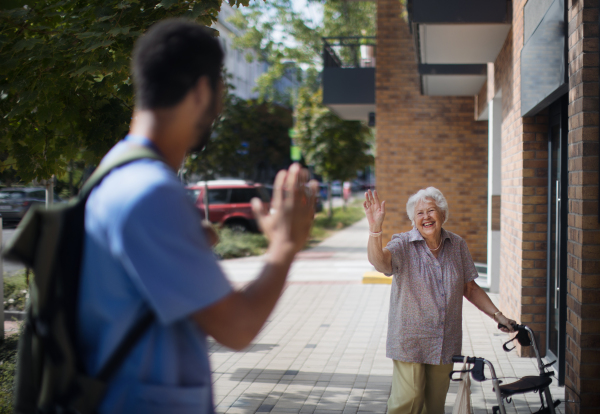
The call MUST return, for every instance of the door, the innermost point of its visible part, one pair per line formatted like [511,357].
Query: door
[556,279]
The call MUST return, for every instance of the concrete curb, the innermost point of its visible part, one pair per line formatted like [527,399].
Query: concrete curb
[376,278]
[14,315]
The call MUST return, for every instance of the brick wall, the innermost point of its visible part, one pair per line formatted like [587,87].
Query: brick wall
[524,193]
[426,141]
[583,273]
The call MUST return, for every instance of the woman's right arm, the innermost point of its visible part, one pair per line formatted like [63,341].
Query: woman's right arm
[379,257]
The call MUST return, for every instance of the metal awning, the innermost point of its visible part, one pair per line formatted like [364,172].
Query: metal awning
[452,80]
[465,33]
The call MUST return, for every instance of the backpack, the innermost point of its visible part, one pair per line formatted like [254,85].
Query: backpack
[50,376]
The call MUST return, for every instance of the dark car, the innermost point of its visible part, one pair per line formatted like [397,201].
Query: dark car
[14,202]
[229,202]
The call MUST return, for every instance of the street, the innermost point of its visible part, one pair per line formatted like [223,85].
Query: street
[8,230]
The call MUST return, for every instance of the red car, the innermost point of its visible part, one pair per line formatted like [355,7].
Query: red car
[229,202]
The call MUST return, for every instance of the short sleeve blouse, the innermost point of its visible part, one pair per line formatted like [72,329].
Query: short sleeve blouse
[425,318]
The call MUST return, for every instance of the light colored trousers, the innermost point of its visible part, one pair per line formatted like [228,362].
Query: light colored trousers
[419,388]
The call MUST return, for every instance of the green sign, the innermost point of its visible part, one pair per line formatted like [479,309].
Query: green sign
[295,153]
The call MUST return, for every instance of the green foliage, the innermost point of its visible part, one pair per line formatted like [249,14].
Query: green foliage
[250,140]
[234,244]
[337,148]
[15,291]
[301,44]
[65,87]
[8,366]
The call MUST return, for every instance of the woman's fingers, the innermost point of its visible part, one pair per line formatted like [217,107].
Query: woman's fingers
[376,197]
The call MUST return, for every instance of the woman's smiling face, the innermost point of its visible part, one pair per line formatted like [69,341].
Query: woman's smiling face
[428,218]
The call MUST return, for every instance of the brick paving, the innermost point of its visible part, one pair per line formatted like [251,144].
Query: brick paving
[323,348]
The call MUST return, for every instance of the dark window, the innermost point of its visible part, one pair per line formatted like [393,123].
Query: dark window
[243,195]
[193,195]
[218,196]
[265,195]
[41,195]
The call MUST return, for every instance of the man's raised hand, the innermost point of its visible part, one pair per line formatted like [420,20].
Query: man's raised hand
[287,225]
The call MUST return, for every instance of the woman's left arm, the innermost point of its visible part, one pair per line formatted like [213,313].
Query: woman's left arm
[477,296]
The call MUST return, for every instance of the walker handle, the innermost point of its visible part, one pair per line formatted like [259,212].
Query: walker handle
[457,359]
[515,326]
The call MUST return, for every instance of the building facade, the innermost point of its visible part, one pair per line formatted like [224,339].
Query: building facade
[496,104]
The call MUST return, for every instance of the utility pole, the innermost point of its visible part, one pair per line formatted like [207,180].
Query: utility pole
[50,192]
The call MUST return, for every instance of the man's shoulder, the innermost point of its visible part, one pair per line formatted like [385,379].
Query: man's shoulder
[134,183]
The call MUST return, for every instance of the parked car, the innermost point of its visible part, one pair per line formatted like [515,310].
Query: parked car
[336,189]
[318,200]
[14,202]
[229,202]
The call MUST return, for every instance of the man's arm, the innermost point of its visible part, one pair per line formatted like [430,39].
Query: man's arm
[235,320]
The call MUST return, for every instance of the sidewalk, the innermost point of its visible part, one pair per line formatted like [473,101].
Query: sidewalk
[323,348]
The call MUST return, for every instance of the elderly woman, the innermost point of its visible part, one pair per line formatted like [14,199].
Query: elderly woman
[432,270]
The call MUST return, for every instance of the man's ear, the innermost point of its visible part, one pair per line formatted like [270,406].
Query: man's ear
[203,92]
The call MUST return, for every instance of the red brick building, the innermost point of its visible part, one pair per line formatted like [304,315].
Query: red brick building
[496,104]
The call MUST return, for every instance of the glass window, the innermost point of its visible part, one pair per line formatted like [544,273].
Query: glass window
[243,195]
[41,195]
[193,194]
[218,196]
[264,194]
[14,194]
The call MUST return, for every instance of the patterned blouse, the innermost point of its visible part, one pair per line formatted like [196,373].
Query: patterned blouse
[425,319]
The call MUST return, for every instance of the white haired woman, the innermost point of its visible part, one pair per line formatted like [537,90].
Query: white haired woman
[432,270]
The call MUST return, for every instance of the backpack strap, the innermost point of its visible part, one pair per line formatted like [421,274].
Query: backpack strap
[124,348]
[133,154]
[135,333]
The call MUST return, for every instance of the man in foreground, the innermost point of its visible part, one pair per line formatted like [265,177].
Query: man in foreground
[144,248]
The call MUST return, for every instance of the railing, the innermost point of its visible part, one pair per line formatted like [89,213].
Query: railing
[349,52]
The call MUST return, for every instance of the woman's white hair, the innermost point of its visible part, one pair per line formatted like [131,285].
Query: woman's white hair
[429,192]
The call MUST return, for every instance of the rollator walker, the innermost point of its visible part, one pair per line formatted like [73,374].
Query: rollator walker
[539,383]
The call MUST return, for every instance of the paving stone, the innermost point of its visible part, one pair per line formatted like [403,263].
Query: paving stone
[323,348]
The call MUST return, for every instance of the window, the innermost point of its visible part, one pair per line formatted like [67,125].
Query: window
[243,195]
[41,195]
[193,195]
[265,196]
[218,196]
[11,194]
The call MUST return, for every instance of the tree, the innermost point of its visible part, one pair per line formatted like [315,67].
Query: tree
[337,148]
[250,140]
[281,36]
[65,86]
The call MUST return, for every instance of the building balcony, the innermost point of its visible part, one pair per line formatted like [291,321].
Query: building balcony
[349,77]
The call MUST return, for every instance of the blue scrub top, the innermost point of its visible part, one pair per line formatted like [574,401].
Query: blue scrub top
[144,248]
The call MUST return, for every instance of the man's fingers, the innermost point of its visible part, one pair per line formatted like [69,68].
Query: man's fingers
[258,208]
[383,207]
[278,187]
[292,184]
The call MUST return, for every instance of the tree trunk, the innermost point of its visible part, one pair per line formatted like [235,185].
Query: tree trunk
[330,199]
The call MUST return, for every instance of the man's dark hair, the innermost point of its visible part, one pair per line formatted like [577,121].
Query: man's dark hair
[169,59]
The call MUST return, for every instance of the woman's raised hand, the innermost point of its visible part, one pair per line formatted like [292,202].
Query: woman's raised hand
[374,210]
